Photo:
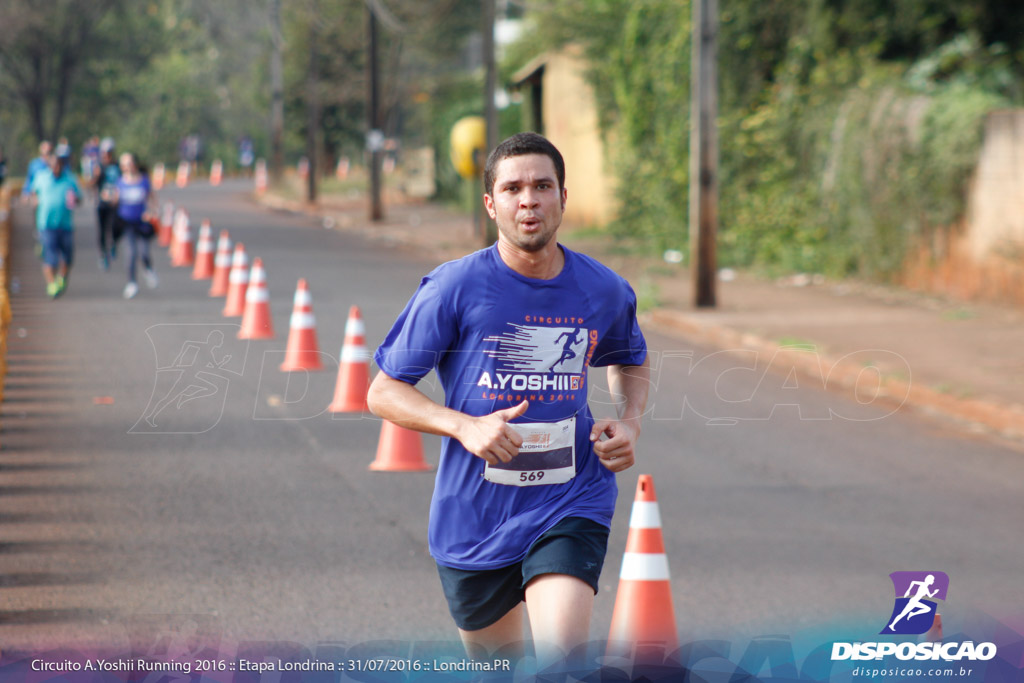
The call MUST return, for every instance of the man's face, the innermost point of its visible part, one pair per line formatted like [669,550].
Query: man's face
[526,202]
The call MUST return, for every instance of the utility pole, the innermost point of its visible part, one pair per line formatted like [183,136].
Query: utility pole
[490,231]
[375,136]
[276,93]
[313,105]
[704,152]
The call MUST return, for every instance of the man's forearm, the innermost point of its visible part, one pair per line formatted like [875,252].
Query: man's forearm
[407,406]
[630,384]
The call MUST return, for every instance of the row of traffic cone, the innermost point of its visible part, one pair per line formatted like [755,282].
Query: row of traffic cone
[246,296]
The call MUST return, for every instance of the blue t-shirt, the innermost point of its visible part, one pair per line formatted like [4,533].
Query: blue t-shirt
[496,338]
[53,212]
[132,197]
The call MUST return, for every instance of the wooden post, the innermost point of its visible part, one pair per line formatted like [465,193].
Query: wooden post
[374,140]
[704,152]
[276,93]
[313,106]
[490,231]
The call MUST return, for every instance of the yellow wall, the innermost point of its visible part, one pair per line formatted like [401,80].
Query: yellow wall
[570,122]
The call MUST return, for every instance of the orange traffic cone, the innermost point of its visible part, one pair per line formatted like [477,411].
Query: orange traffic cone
[163,236]
[399,450]
[216,172]
[256,323]
[221,266]
[643,605]
[159,176]
[204,253]
[934,634]
[182,251]
[182,178]
[354,368]
[260,176]
[341,170]
[180,216]
[302,352]
[238,282]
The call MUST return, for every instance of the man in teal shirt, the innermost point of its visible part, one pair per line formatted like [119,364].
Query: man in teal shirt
[57,194]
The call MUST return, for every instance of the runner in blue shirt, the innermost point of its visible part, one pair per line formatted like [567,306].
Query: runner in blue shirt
[57,194]
[525,488]
[135,204]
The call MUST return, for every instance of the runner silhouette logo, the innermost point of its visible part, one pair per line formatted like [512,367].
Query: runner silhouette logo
[914,609]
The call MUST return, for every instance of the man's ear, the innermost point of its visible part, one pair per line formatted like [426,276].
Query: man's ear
[565,195]
[489,205]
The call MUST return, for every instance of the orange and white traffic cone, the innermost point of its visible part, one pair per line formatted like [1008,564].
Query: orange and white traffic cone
[238,283]
[159,176]
[399,450]
[643,611]
[204,253]
[341,170]
[354,368]
[302,352]
[182,251]
[216,172]
[221,266]
[182,178]
[260,176]
[256,323]
[163,235]
[180,217]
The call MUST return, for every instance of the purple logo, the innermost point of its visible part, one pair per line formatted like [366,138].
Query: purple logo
[915,607]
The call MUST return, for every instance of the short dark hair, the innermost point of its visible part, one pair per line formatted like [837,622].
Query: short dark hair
[519,145]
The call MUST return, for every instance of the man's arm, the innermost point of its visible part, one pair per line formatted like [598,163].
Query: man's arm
[631,383]
[488,437]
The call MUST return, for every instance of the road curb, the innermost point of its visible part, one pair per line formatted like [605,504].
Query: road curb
[852,378]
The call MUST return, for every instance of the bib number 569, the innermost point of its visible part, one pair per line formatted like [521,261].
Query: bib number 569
[531,476]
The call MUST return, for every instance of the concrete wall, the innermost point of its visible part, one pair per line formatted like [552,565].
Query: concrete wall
[983,258]
[570,122]
[995,216]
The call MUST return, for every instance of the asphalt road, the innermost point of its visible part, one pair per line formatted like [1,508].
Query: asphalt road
[250,514]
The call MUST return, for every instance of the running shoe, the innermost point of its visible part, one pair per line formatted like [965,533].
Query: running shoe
[104,262]
[130,290]
[151,278]
[52,290]
[61,283]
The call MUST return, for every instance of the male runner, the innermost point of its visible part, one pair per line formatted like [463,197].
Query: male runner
[525,489]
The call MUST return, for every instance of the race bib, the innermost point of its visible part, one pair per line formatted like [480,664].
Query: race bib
[547,456]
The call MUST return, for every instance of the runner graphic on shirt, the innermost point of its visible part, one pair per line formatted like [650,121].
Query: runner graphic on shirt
[531,348]
[567,351]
